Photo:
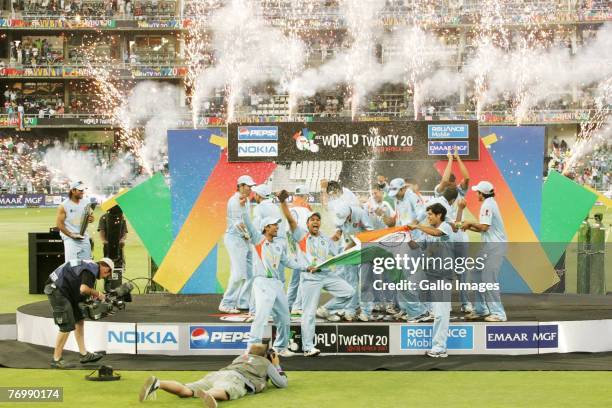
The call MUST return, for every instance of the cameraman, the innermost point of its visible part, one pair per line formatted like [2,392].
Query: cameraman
[68,285]
[247,374]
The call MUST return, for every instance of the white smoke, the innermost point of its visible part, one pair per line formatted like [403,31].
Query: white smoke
[74,165]
[248,52]
[155,107]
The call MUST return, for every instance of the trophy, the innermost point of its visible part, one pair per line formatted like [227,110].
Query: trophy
[89,209]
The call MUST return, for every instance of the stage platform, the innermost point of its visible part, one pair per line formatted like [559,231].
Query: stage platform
[165,324]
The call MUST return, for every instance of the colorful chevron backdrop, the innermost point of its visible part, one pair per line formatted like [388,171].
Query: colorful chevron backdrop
[181,221]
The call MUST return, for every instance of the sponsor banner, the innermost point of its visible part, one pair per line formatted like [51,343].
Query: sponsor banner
[521,336]
[214,337]
[326,338]
[121,338]
[160,24]
[157,337]
[448,131]
[144,337]
[257,149]
[13,121]
[158,72]
[419,337]
[363,339]
[56,23]
[260,133]
[57,71]
[21,200]
[435,148]
[359,141]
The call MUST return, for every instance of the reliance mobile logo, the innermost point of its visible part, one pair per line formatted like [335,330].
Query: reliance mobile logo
[304,140]
[263,133]
[419,337]
[218,337]
[450,131]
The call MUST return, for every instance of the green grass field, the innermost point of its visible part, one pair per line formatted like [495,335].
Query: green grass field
[337,389]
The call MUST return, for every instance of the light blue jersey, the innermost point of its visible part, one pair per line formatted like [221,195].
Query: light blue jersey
[491,216]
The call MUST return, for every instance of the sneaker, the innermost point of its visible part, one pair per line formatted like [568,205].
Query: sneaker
[249,318]
[399,316]
[286,353]
[467,308]
[391,310]
[363,317]
[229,310]
[425,317]
[333,318]
[323,313]
[148,389]
[475,316]
[436,354]
[207,400]
[349,317]
[61,364]
[90,357]
[297,312]
[340,313]
[494,318]
[312,352]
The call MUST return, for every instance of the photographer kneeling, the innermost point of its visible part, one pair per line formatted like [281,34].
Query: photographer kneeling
[247,374]
[68,285]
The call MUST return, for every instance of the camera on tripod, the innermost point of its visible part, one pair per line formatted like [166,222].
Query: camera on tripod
[116,299]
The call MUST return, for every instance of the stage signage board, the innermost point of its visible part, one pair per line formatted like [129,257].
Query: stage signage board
[213,337]
[520,336]
[419,337]
[352,141]
[359,339]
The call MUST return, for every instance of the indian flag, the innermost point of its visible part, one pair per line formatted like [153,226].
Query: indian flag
[386,237]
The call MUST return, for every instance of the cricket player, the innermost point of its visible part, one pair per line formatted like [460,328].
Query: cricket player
[460,237]
[315,248]
[269,262]
[70,214]
[236,239]
[491,227]
[436,242]
[351,220]
[408,211]
[266,207]
[378,209]
[300,210]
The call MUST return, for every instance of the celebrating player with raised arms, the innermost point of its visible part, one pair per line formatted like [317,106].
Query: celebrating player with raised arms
[315,248]
[269,262]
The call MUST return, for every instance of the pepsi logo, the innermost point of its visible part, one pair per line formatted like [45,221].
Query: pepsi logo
[199,336]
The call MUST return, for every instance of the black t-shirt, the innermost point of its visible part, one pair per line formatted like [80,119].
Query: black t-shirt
[88,279]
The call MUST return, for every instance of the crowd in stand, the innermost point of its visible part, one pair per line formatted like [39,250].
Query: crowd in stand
[34,53]
[15,103]
[23,170]
[97,8]
[594,169]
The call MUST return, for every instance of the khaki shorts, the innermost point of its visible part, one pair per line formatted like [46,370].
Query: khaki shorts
[229,381]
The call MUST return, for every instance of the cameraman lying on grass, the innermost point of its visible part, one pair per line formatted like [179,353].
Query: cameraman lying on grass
[247,374]
[71,283]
